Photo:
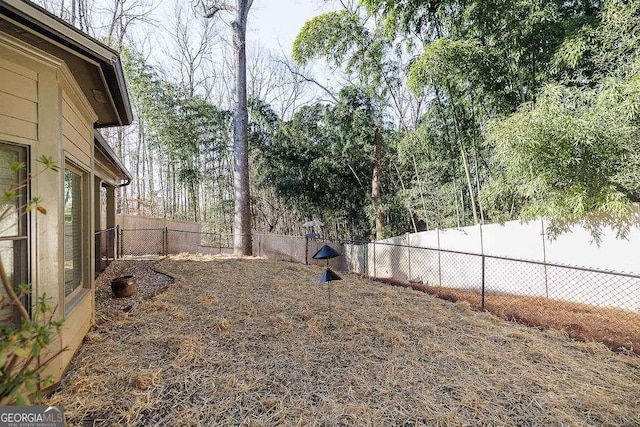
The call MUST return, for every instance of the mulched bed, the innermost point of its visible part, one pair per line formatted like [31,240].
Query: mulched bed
[148,284]
[255,342]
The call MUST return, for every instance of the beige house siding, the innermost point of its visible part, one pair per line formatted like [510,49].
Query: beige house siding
[76,136]
[77,132]
[42,108]
[18,100]
[76,326]
[46,109]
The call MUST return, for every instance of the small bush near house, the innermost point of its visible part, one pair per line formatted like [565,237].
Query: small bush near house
[21,349]
[23,342]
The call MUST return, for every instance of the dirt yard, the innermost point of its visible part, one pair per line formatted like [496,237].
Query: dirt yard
[255,342]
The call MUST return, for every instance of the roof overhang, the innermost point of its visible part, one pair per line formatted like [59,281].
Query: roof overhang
[115,173]
[95,66]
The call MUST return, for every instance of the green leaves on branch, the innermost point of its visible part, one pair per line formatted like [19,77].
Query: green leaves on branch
[331,36]
[320,162]
[10,194]
[443,63]
[23,344]
[345,41]
[20,350]
[574,155]
[49,163]
[413,17]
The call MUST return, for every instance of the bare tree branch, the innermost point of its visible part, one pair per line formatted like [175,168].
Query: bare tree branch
[310,80]
[215,8]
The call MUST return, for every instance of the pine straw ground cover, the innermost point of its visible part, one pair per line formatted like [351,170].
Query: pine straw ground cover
[617,329]
[252,342]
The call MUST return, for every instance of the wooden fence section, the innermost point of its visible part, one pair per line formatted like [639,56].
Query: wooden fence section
[141,236]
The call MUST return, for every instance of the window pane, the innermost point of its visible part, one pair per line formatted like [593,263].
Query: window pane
[9,225]
[6,253]
[13,232]
[72,231]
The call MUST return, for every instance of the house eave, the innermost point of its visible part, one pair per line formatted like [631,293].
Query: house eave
[104,150]
[43,30]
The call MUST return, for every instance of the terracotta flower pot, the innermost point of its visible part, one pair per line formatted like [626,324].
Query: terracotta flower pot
[123,286]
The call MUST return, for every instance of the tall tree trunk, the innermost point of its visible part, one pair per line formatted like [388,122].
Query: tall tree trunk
[150,171]
[121,202]
[242,211]
[194,201]
[174,201]
[72,20]
[138,165]
[467,173]
[375,184]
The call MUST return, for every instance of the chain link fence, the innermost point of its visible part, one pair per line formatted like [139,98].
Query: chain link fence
[587,303]
[502,276]
[483,274]
[142,242]
[153,242]
[105,250]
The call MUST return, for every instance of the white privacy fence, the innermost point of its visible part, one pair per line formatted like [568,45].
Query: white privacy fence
[518,259]
[510,259]
[493,275]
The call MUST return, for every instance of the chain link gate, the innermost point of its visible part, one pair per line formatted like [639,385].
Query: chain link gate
[143,241]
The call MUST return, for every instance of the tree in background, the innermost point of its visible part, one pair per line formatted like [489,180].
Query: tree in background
[318,163]
[572,154]
[480,60]
[516,109]
[189,138]
[342,37]
[242,198]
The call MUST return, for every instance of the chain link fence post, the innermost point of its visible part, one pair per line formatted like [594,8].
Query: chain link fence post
[409,257]
[439,258]
[544,259]
[366,258]
[483,276]
[306,249]
[483,267]
[374,260]
[165,246]
[120,244]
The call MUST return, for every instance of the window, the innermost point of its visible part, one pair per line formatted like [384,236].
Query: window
[75,231]
[13,227]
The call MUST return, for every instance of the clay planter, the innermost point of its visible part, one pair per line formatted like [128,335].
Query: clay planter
[123,286]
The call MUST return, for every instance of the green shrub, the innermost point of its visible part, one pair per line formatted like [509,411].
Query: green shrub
[22,345]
